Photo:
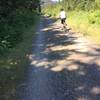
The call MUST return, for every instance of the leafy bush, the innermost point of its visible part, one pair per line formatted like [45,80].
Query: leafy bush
[13,64]
[11,28]
[94,17]
[52,10]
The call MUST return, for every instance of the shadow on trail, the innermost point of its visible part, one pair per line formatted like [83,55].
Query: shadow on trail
[59,72]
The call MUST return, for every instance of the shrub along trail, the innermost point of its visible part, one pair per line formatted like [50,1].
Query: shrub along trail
[63,66]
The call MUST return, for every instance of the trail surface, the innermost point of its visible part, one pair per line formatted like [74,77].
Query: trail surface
[64,66]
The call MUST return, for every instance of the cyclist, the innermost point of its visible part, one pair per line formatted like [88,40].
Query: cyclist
[63,18]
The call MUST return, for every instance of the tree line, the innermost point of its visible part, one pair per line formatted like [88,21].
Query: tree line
[81,4]
[15,15]
[7,6]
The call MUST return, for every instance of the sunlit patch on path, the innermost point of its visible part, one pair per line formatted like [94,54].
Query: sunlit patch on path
[63,66]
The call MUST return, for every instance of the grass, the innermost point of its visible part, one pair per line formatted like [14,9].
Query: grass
[85,22]
[13,65]
[80,22]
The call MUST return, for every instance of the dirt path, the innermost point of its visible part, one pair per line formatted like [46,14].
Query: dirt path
[64,66]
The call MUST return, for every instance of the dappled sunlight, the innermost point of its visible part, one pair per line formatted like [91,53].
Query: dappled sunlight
[95,90]
[81,47]
[80,57]
[59,48]
[97,61]
[50,27]
[83,98]
[57,69]
[39,63]
[55,66]
[61,62]
[82,73]
[8,63]
[14,63]
[59,65]
[50,45]
[80,88]
[64,65]
[46,29]
[72,67]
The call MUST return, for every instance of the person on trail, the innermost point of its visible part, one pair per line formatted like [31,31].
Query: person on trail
[63,18]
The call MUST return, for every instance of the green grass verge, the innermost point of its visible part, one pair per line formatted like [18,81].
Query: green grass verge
[86,23]
[13,64]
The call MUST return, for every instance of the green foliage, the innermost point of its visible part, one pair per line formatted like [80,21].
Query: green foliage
[14,16]
[52,10]
[11,29]
[87,23]
[81,4]
[13,64]
[94,17]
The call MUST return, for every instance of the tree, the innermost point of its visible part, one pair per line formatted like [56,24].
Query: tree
[81,4]
[12,12]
